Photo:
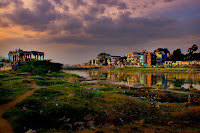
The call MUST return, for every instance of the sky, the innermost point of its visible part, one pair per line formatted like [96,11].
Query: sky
[75,31]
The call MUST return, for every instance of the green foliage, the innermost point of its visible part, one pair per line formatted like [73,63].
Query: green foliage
[87,93]
[41,67]
[177,55]
[103,58]
[12,86]
[61,74]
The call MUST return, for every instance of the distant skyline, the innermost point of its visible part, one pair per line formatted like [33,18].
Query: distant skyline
[75,31]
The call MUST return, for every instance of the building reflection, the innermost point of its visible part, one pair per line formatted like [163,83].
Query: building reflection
[156,80]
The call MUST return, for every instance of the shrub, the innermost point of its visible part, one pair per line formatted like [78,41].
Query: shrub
[41,67]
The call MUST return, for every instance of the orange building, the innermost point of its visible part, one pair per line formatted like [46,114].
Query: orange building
[151,59]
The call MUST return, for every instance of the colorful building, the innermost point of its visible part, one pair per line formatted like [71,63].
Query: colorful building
[114,60]
[133,58]
[162,55]
[143,59]
[151,59]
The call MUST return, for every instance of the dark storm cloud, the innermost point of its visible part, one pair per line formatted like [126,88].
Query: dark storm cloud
[125,30]
[93,26]
[78,3]
[97,10]
[73,26]
[58,1]
[43,13]
[116,3]
[169,0]
[153,3]
[5,3]
[127,27]
[88,17]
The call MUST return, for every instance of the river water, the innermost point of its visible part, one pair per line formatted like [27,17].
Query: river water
[138,79]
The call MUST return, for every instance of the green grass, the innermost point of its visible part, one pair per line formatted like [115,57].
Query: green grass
[86,93]
[62,74]
[59,102]
[11,86]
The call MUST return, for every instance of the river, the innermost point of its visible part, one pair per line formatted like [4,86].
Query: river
[138,79]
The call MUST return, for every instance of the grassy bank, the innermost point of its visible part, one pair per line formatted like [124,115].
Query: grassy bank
[13,84]
[63,104]
[186,70]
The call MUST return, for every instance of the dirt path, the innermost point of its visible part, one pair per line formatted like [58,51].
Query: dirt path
[4,125]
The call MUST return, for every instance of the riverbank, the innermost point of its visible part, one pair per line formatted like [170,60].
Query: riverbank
[65,104]
[159,70]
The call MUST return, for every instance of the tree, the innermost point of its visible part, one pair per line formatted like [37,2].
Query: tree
[195,47]
[192,49]
[103,58]
[165,50]
[177,55]
[191,55]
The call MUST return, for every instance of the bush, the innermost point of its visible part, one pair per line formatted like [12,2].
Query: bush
[41,67]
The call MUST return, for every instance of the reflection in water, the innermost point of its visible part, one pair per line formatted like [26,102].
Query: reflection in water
[156,80]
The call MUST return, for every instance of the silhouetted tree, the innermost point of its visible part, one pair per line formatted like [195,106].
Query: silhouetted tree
[191,55]
[192,49]
[165,50]
[103,58]
[177,55]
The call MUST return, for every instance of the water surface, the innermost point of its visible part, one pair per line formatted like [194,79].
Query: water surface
[138,79]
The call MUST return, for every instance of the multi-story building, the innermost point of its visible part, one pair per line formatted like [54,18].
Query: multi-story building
[143,59]
[133,58]
[114,60]
[151,59]
[22,56]
[162,55]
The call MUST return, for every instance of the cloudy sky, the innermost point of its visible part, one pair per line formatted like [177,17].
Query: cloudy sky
[74,31]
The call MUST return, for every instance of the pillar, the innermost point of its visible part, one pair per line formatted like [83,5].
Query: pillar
[15,58]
